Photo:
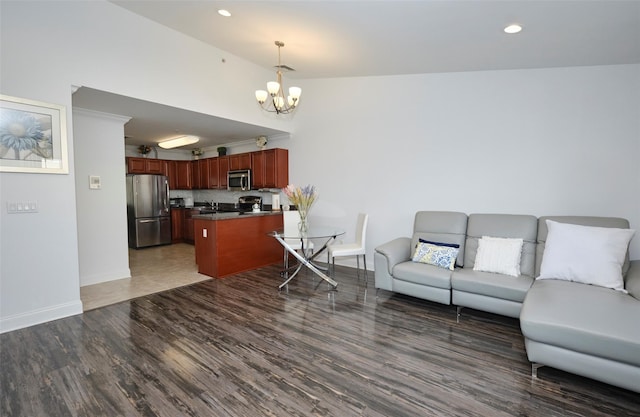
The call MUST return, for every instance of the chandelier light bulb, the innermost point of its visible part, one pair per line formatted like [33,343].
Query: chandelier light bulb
[273,87]
[295,92]
[261,96]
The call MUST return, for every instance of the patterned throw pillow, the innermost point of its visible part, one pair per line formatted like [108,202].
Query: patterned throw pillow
[442,256]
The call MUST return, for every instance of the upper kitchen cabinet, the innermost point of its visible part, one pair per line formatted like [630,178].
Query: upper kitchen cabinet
[146,166]
[214,173]
[205,173]
[223,168]
[239,161]
[270,168]
[195,175]
[183,176]
[171,174]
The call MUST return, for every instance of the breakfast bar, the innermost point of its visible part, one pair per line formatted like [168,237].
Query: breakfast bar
[229,243]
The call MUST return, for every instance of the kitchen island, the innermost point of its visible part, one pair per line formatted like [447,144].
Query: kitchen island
[228,243]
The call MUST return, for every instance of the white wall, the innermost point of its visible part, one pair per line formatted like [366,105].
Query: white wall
[541,142]
[553,141]
[102,46]
[102,216]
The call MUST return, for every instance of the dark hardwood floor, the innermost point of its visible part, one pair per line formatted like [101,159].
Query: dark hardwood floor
[238,347]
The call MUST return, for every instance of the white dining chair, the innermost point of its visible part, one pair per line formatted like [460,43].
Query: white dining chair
[291,219]
[352,249]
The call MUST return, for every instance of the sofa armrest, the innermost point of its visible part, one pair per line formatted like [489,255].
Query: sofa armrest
[632,279]
[395,251]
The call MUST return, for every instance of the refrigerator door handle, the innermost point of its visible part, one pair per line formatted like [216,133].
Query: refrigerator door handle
[166,205]
[147,221]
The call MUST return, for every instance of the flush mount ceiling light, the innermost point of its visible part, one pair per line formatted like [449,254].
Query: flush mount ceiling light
[514,28]
[179,141]
[225,13]
[273,100]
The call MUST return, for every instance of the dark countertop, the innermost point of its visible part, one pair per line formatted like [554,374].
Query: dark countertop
[234,215]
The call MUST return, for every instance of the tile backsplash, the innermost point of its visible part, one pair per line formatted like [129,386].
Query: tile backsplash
[223,196]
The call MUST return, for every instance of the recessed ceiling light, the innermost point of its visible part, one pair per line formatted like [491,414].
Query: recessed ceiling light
[225,13]
[515,28]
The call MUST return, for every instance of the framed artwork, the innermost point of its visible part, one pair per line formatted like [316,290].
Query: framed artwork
[33,136]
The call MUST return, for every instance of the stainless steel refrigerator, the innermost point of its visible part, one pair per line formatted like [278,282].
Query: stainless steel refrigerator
[149,219]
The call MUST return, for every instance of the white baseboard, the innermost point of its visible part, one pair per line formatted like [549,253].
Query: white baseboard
[100,278]
[31,318]
[349,261]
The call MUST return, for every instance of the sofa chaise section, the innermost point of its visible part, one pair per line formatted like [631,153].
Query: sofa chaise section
[581,328]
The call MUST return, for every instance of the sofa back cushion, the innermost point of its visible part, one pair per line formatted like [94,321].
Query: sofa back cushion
[514,226]
[543,231]
[441,226]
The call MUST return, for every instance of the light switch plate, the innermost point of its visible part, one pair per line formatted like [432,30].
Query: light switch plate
[16,207]
[94,182]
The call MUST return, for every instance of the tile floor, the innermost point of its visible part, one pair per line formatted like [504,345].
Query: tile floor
[152,270]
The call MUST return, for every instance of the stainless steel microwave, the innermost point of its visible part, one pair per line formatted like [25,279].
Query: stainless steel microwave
[239,180]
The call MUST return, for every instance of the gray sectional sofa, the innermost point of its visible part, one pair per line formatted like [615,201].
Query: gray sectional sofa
[577,327]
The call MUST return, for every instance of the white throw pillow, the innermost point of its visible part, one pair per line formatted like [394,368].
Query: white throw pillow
[586,254]
[499,255]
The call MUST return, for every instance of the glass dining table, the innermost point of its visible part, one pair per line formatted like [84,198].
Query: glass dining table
[325,233]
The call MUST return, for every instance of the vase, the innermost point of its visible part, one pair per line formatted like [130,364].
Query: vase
[303,225]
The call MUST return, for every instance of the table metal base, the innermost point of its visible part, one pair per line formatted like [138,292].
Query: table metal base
[304,261]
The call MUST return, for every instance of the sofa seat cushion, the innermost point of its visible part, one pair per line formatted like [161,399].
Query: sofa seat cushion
[501,286]
[423,274]
[584,318]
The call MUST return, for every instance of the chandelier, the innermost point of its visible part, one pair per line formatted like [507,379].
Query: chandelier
[273,100]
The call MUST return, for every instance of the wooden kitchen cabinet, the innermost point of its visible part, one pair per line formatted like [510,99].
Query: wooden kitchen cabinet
[205,173]
[257,170]
[136,166]
[195,175]
[223,168]
[156,166]
[183,176]
[187,226]
[214,173]
[171,174]
[177,225]
[240,161]
[146,166]
[270,168]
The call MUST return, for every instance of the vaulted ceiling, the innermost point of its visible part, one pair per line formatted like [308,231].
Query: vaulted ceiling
[385,37]
[325,39]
